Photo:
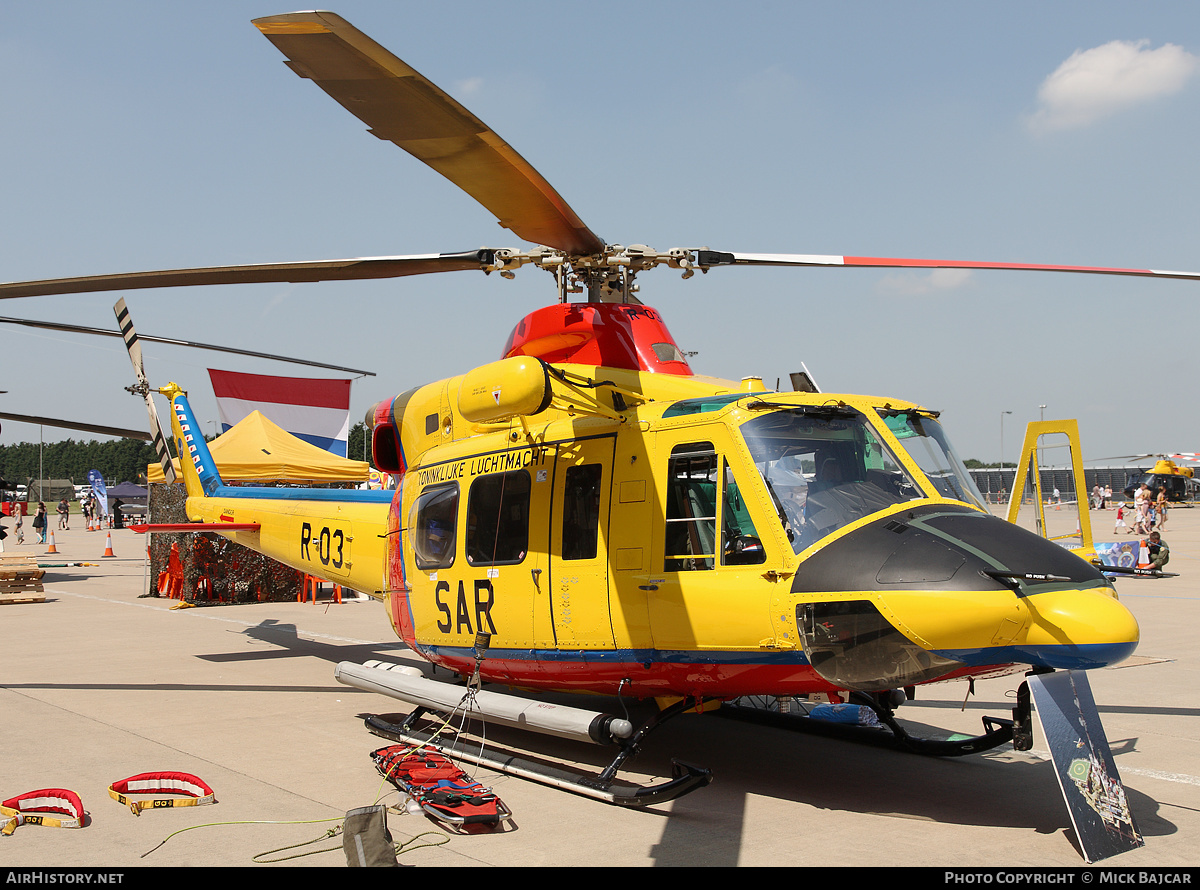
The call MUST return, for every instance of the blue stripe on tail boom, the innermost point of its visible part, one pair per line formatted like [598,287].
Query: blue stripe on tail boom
[193,447]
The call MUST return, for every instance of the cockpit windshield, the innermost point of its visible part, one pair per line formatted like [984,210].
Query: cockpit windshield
[824,468]
[925,441]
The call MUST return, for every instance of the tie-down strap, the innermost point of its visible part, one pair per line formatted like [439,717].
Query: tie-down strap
[161,783]
[31,808]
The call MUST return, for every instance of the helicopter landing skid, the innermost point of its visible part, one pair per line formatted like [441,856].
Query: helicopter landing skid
[997,730]
[685,777]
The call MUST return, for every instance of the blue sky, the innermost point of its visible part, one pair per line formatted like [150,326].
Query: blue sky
[147,135]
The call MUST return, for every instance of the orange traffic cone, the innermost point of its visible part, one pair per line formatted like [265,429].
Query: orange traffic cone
[108,546]
[51,548]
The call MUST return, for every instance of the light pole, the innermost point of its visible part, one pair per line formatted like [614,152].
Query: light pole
[1039,450]
[1002,413]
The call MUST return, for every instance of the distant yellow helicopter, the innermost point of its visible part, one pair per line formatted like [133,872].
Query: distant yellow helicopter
[1177,482]
[587,514]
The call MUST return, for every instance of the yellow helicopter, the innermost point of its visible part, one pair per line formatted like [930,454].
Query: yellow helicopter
[1176,481]
[588,514]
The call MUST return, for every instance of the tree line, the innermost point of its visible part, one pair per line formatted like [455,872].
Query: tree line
[119,460]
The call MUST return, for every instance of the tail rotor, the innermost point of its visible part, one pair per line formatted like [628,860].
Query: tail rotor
[142,388]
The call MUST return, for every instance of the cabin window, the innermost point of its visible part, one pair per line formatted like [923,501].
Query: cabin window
[691,533]
[432,524]
[581,511]
[498,519]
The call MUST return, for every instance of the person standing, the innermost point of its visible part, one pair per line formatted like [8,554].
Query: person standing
[39,522]
[1141,511]
[64,515]
[20,522]
[1161,504]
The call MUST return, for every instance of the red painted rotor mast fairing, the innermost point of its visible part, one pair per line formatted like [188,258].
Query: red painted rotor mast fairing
[611,335]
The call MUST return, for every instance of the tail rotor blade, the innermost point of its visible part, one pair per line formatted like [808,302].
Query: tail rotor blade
[134,348]
[129,335]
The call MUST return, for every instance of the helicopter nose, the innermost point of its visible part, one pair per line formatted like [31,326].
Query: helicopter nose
[886,640]
[1066,628]
[943,589]
[1078,629]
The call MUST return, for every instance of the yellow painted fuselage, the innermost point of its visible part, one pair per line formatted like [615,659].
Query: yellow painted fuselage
[673,535]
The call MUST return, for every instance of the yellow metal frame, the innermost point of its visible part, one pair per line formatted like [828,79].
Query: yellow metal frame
[1029,449]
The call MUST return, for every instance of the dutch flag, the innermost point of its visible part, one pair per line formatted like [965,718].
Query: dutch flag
[315,410]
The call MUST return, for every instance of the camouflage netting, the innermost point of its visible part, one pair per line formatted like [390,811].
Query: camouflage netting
[236,574]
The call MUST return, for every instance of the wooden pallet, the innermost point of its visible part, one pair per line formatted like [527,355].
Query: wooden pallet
[20,580]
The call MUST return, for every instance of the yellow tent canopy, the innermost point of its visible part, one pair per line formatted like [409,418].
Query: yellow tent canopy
[258,450]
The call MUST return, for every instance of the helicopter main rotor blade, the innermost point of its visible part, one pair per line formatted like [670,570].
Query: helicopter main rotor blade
[402,107]
[171,341]
[77,425]
[258,273]
[709,258]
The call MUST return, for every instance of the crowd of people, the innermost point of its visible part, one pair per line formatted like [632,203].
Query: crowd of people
[1149,512]
[39,524]
[1149,517]
[1101,495]
[89,507]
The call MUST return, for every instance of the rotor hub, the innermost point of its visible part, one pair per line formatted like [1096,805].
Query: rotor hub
[606,277]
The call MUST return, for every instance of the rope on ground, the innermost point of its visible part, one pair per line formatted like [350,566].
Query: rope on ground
[241,822]
[401,848]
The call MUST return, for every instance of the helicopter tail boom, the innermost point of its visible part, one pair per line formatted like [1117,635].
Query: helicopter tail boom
[298,527]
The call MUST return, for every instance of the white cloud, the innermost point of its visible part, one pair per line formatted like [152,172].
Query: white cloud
[471,86]
[907,284]
[1099,82]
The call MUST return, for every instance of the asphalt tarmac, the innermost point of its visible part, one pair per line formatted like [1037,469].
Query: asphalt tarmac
[100,683]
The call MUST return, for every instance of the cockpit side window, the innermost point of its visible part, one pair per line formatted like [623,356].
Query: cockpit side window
[740,544]
[691,533]
[702,491]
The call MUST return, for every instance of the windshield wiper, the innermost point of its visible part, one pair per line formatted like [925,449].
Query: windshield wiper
[839,409]
[783,518]
[919,412]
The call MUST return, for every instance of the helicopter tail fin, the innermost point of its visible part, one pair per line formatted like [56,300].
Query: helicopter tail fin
[200,475]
